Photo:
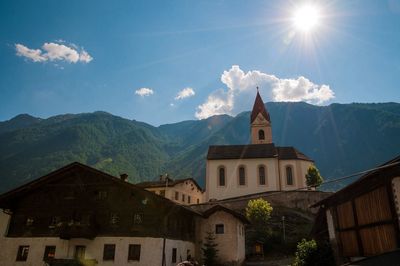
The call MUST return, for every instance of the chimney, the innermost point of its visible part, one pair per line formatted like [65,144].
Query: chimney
[123,177]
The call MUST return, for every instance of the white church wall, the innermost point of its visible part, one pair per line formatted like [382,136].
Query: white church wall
[232,187]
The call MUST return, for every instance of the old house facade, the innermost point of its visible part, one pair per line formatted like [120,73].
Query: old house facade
[362,219]
[82,214]
[237,170]
[183,191]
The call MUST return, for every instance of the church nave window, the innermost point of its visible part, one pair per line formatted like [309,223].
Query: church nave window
[242,176]
[261,175]
[221,176]
[289,175]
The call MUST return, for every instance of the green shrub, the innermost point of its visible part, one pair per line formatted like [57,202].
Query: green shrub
[309,253]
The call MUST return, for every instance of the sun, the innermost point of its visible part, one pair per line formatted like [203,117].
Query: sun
[306,18]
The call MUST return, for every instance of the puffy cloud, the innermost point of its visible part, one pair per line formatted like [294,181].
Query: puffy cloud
[34,54]
[242,86]
[185,93]
[54,52]
[144,92]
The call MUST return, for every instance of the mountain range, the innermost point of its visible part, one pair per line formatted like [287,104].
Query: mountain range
[341,138]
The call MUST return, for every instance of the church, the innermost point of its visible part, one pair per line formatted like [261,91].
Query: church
[238,170]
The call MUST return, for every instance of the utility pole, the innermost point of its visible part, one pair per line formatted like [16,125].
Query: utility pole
[283,227]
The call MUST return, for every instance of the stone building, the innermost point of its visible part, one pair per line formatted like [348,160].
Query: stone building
[183,191]
[79,214]
[237,170]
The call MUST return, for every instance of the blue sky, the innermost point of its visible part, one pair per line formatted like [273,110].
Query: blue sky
[133,58]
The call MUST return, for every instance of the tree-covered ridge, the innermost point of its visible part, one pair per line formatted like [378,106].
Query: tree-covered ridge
[341,138]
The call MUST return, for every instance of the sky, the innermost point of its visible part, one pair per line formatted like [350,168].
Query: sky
[168,61]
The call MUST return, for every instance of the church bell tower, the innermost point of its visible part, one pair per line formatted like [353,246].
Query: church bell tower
[260,123]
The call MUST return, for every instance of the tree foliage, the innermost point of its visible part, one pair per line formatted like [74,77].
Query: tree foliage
[310,253]
[313,177]
[258,212]
[210,251]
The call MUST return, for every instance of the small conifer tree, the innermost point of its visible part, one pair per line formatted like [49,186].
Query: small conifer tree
[210,251]
[313,177]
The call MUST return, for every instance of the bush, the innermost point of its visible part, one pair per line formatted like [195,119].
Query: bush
[309,253]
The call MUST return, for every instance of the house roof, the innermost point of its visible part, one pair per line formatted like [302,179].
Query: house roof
[259,107]
[9,196]
[217,207]
[171,183]
[366,182]
[252,151]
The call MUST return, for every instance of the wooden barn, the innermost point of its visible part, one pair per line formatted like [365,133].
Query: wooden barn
[362,219]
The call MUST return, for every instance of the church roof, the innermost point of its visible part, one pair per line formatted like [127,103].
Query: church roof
[253,151]
[259,107]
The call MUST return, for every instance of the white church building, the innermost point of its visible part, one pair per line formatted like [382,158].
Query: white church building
[238,170]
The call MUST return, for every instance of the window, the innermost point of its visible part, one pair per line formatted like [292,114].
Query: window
[49,252]
[183,197]
[189,199]
[55,220]
[198,201]
[162,193]
[261,175]
[242,176]
[219,229]
[134,252]
[261,134]
[109,252]
[80,252]
[22,254]
[176,195]
[289,175]
[174,255]
[101,194]
[29,221]
[137,218]
[221,176]
[114,219]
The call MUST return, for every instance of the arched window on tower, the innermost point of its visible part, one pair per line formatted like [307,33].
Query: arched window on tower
[261,175]
[261,134]
[289,175]
[242,176]
[221,176]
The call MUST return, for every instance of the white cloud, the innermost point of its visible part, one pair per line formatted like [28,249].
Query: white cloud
[85,57]
[144,92]
[34,55]
[242,88]
[54,52]
[185,93]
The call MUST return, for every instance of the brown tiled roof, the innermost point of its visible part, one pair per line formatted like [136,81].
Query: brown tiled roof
[211,209]
[171,183]
[252,151]
[259,107]
[287,153]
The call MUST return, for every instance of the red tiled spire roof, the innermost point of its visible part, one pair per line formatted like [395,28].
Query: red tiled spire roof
[259,108]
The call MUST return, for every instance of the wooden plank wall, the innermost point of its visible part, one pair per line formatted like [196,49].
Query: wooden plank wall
[365,224]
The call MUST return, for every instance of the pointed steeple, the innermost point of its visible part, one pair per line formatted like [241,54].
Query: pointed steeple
[260,123]
[259,107]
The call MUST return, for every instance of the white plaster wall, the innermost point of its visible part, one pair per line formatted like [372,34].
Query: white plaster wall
[300,168]
[151,250]
[232,188]
[330,224]
[185,188]
[231,244]
[396,195]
